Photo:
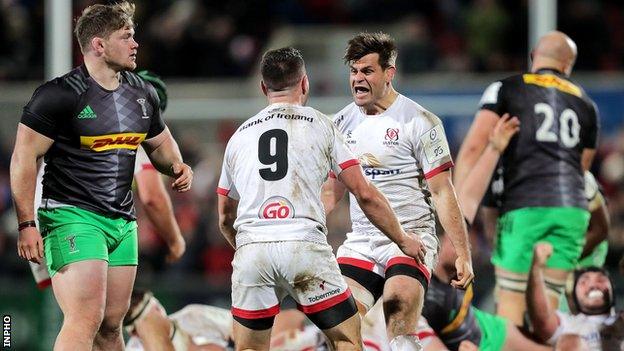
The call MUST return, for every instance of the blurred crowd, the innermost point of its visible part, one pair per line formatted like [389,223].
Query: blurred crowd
[202,38]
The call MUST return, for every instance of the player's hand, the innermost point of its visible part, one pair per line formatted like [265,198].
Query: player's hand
[30,245]
[183,175]
[465,275]
[176,249]
[467,345]
[412,246]
[541,253]
[504,129]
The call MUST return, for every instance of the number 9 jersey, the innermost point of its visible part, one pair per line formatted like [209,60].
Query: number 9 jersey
[275,165]
[542,164]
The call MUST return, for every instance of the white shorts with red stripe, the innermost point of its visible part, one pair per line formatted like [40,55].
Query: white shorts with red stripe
[265,272]
[369,259]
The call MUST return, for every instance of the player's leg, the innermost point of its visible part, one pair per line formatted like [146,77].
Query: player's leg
[122,241]
[402,301]
[80,290]
[363,276]
[346,335]
[517,232]
[404,291]
[119,288]
[76,257]
[255,302]
[316,284]
[247,338]
[510,295]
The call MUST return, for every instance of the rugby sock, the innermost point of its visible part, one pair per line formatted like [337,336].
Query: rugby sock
[405,343]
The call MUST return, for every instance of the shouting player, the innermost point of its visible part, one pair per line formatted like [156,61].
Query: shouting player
[403,150]
[88,124]
[543,198]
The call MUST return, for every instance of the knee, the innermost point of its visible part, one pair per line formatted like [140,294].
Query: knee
[109,329]
[397,305]
[88,320]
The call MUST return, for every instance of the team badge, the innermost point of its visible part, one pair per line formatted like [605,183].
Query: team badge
[141,102]
[392,137]
[276,207]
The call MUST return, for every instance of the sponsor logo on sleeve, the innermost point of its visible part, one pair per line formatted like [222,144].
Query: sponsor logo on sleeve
[276,207]
[434,144]
[112,141]
[142,102]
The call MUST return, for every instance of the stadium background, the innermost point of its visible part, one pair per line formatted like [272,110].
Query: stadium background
[208,53]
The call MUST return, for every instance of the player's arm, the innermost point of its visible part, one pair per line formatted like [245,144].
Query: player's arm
[331,193]
[154,332]
[599,225]
[452,220]
[474,144]
[29,147]
[475,184]
[587,157]
[227,215]
[377,209]
[165,155]
[157,205]
[543,318]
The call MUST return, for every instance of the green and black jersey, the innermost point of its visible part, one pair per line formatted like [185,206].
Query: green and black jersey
[542,164]
[96,133]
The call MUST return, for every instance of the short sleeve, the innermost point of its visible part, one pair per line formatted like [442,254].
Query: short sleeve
[226,184]
[492,98]
[47,108]
[342,157]
[157,123]
[562,328]
[590,139]
[432,149]
[142,161]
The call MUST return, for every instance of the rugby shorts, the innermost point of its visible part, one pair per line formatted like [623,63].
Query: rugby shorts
[266,272]
[71,234]
[371,259]
[519,230]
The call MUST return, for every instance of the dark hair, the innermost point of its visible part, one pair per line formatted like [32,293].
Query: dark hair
[370,43]
[282,68]
[102,20]
[138,302]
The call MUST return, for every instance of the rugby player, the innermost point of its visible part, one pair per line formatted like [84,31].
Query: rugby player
[87,125]
[592,302]
[403,150]
[270,210]
[542,169]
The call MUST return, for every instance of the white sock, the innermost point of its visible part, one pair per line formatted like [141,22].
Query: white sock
[405,343]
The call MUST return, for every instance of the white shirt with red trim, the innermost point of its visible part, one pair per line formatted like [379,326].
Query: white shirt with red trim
[142,161]
[398,149]
[275,165]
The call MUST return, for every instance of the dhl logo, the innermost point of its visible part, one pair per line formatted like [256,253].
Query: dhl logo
[112,141]
[551,81]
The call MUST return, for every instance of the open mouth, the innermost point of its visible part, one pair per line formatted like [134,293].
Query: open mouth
[360,90]
[595,294]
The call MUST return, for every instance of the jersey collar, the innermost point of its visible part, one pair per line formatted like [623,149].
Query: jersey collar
[550,70]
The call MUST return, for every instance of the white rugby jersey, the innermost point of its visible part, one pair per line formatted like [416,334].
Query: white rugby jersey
[204,324]
[275,165]
[142,161]
[398,150]
[587,327]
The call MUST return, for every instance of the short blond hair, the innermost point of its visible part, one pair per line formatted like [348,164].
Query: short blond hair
[102,20]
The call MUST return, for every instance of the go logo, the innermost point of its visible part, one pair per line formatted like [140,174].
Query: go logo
[276,207]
